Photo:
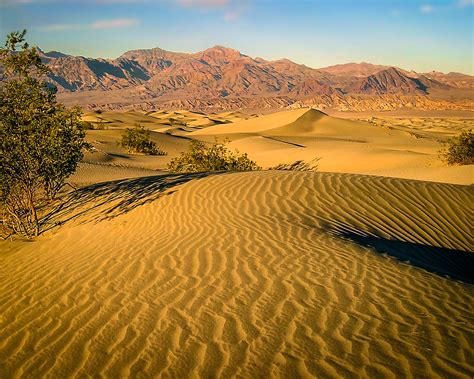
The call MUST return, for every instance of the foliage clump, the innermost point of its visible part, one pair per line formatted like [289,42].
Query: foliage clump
[176,121]
[137,140]
[41,142]
[86,125]
[218,157]
[459,150]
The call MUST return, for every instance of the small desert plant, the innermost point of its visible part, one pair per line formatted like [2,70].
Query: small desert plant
[137,140]
[86,125]
[218,157]
[459,150]
[299,165]
[177,121]
[101,125]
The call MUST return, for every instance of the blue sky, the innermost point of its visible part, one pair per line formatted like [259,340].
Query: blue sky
[412,34]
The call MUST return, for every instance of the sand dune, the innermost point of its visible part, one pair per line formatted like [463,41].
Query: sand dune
[263,274]
[395,147]
[255,125]
[345,146]
[160,120]
[106,150]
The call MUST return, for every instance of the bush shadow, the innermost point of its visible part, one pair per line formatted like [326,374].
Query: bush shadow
[104,201]
[455,264]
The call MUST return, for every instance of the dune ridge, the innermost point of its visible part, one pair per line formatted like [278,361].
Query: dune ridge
[345,146]
[281,289]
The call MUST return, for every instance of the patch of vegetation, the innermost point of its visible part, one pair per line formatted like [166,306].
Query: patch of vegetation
[459,150]
[218,157]
[176,121]
[101,125]
[299,165]
[41,142]
[137,140]
[86,125]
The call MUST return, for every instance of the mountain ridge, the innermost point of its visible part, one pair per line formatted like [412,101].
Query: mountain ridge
[219,72]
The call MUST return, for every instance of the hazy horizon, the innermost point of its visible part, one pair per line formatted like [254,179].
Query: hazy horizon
[420,36]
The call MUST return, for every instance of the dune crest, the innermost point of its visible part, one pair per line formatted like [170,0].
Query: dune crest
[345,146]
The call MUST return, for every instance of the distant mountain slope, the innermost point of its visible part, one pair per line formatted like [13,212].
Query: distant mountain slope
[152,75]
[362,69]
[394,81]
[453,79]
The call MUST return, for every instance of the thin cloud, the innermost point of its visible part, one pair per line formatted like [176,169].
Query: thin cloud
[232,9]
[427,8]
[465,3]
[184,3]
[99,24]
[117,23]
[395,12]
[231,15]
[203,3]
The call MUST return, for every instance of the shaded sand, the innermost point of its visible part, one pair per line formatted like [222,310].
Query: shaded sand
[92,173]
[406,148]
[263,274]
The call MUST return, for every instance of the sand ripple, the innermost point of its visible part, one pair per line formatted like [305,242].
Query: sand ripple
[267,274]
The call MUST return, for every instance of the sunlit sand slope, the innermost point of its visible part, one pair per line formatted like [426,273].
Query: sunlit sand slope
[345,146]
[263,274]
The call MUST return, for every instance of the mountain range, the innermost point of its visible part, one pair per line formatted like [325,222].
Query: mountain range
[224,78]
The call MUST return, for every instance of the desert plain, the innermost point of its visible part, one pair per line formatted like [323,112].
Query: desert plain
[362,267]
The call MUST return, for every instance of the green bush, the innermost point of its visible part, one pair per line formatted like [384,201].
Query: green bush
[459,150]
[176,121]
[137,140]
[218,157]
[86,125]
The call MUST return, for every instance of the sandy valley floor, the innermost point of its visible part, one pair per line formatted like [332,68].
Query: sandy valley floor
[336,273]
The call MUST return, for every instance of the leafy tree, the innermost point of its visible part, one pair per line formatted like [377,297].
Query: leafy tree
[41,141]
[137,140]
[460,149]
[218,157]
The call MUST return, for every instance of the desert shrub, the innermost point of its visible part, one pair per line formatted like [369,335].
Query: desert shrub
[41,141]
[459,150]
[176,121]
[137,140]
[299,165]
[218,157]
[101,125]
[86,125]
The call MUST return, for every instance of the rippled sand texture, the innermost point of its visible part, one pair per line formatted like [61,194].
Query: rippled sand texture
[266,274]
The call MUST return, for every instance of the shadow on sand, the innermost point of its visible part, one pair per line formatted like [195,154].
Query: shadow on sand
[455,264]
[105,201]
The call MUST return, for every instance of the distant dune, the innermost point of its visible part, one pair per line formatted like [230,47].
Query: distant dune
[262,274]
[405,150]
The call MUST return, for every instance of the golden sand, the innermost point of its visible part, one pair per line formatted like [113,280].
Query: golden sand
[262,274]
